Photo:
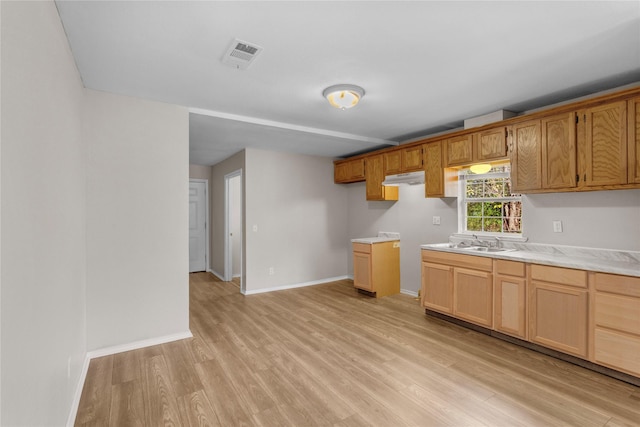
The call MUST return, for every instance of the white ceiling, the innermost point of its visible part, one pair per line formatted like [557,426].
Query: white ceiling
[425,65]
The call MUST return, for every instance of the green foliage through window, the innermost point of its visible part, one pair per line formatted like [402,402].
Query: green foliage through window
[489,205]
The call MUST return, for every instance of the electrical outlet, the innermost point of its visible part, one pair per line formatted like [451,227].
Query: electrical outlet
[436,220]
[557,226]
[272,271]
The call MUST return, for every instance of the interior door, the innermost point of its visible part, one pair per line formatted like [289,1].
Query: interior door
[197,226]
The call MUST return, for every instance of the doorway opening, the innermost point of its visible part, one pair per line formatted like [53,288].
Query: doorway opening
[233,263]
[198,225]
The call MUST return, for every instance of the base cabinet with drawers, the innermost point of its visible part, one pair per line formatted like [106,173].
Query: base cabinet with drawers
[376,267]
[589,315]
[616,318]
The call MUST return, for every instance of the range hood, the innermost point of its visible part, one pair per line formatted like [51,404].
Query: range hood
[411,178]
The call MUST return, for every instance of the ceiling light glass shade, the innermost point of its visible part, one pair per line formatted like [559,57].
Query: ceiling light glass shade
[343,96]
[480,168]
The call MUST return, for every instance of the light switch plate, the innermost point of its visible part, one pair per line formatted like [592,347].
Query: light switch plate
[557,226]
[436,220]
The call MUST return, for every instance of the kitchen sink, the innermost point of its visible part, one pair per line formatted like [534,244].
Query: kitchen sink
[486,249]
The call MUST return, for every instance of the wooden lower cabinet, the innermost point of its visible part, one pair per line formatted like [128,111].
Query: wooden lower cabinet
[376,267]
[558,316]
[473,296]
[437,287]
[510,298]
[616,318]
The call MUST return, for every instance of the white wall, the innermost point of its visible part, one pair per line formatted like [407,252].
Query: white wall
[411,216]
[137,219]
[43,218]
[598,219]
[300,214]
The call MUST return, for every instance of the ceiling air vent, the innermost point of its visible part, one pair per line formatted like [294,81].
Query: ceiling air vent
[241,54]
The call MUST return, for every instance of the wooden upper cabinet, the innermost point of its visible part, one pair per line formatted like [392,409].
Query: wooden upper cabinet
[526,159]
[403,160]
[490,144]
[459,150]
[349,171]
[374,169]
[434,173]
[392,162]
[412,159]
[604,145]
[559,151]
[634,140]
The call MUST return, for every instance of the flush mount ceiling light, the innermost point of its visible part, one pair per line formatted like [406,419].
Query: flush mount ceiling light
[480,168]
[343,96]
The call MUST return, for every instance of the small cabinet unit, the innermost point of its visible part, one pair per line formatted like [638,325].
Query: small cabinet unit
[460,285]
[633,138]
[346,171]
[558,309]
[490,144]
[616,314]
[376,267]
[403,160]
[374,172]
[459,150]
[510,298]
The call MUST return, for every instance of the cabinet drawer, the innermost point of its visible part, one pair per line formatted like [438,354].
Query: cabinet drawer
[362,247]
[623,285]
[618,350]
[618,312]
[458,260]
[563,276]
[510,268]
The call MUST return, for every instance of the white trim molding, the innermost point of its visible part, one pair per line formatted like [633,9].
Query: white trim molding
[408,292]
[295,285]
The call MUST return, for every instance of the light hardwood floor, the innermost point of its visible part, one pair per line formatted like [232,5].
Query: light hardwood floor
[328,356]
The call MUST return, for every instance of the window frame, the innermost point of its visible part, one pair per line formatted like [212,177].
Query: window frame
[463,176]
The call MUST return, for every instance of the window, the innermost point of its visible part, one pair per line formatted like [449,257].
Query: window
[487,204]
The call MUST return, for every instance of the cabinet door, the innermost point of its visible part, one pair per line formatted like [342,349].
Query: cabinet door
[473,296]
[459,150]
[357,170]
[362,271]
[510,299]
[491,144]
[341,172]
[437,287]
[634,141]
[349,171]
[558,317]
[434,178]
[392,162]
[525,151]
[605,145]
[412,159]
[375,176]
[559,151]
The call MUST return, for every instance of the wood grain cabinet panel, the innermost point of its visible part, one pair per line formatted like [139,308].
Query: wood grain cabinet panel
[491,144]
[605,145]
[558,317]
[412,159]
[374,168]
[438,181]
[437,287]
[459,150]
[526,156]
[362,270]
[349,171]
[616,322]
[634,141]
[473,296]
[510,298]
[392,162]
[559,151]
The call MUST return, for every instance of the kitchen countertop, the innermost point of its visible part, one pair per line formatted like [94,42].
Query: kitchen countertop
[600,260]
[370,240]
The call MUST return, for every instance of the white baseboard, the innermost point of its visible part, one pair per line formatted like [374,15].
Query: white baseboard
[406,292]
[107,351]
[295,285]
